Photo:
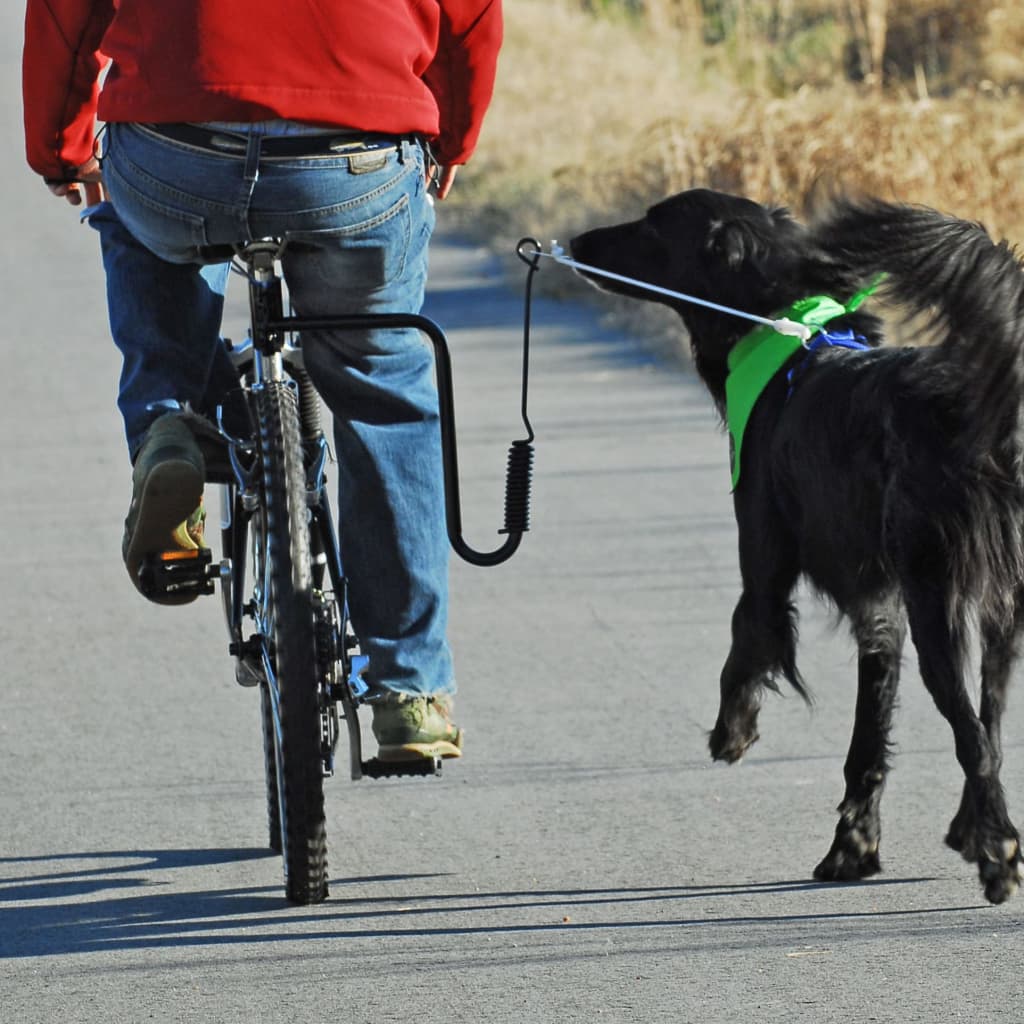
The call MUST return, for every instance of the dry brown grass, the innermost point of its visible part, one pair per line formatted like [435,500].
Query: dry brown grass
[595,118]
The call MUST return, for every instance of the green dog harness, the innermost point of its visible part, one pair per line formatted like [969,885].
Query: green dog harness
[758,356]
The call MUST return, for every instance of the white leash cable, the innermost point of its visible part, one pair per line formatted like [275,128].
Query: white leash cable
[783,325]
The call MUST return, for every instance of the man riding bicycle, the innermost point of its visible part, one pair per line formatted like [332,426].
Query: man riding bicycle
[227,121]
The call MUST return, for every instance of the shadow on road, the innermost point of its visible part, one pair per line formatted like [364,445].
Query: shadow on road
[88,909]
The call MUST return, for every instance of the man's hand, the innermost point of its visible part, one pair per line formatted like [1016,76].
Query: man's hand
[445,180]
[89,183]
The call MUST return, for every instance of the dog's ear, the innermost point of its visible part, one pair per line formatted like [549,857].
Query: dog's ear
[748,243]
[734,243]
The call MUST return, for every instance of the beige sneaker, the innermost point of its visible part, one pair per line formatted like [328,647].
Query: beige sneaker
[407,727]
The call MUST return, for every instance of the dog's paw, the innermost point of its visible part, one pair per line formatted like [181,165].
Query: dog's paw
[729,745]
[963,838]
[852,856]
[1001,871]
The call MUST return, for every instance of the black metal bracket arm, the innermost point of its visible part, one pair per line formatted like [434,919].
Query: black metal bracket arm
[517,484]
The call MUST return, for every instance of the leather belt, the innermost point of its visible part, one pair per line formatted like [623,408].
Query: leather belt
[339,144]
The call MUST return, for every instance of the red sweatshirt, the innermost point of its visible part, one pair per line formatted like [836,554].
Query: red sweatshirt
[393,66]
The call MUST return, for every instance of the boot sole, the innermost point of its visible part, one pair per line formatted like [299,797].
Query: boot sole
[170,494]
[418,751]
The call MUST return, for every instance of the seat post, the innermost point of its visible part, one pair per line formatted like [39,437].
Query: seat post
[265,306]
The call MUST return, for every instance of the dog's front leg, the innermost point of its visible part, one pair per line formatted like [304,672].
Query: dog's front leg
[763,646]
[880,633]
[763,623]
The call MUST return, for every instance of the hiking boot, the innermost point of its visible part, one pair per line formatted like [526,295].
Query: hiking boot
[166,514]
[407,728]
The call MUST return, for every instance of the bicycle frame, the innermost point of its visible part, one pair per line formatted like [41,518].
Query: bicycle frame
[274,361]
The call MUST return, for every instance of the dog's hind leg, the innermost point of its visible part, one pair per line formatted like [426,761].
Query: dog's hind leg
[763,645]
[880,632]
[998,654]
[940,647]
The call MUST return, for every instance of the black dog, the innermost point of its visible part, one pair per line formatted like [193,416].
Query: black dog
[891,478]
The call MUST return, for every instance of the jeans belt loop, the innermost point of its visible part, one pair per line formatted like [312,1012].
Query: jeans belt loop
[252,157]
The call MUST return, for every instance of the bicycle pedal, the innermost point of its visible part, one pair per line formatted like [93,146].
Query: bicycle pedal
[421,767]
[177,573]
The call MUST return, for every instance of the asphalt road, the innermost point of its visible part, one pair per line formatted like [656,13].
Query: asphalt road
[584,861]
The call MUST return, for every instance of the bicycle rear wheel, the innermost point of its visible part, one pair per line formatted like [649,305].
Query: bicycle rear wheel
[290,635]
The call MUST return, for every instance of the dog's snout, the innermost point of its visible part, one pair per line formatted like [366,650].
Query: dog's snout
[579,246]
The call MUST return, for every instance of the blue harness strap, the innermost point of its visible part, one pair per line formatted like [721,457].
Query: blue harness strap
[824,339]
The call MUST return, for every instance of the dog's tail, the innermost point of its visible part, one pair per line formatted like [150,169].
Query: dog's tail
[949,270]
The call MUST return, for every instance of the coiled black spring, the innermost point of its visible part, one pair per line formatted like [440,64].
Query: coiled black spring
[518,479]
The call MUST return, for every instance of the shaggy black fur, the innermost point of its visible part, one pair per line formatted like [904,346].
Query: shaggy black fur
[891,479]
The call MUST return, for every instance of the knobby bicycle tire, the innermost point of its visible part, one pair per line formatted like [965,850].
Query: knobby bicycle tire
[292,626]
[270,768]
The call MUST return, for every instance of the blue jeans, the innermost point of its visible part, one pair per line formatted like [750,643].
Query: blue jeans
[358,230]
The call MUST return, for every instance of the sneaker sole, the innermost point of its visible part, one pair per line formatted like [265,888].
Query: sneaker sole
[170,494]
[418,751]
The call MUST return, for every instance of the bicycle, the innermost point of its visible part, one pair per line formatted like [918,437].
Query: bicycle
[287,620]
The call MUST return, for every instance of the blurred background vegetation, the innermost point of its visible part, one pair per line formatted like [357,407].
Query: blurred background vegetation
[605,106]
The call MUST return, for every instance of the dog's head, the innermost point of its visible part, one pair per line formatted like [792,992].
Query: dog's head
[714,246]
